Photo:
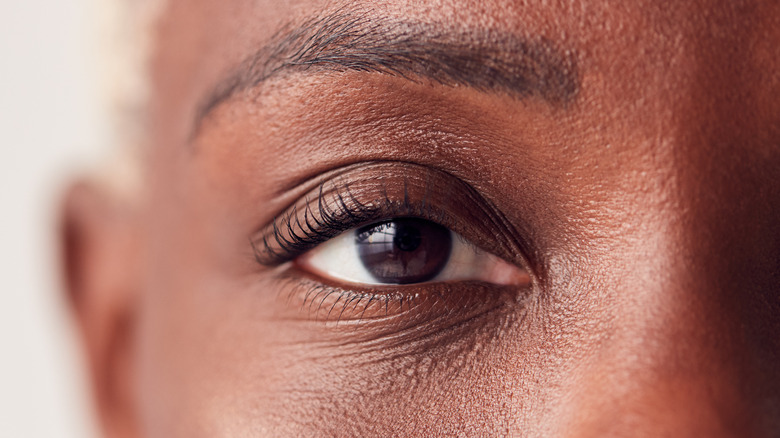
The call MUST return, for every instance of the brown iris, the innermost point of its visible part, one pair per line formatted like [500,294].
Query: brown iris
[404,250]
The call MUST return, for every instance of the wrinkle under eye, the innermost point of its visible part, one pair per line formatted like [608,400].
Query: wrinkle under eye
[404,250]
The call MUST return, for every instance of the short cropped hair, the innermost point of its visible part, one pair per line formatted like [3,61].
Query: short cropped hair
[127,36]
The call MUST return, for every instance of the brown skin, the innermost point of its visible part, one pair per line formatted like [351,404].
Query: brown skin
[647,208]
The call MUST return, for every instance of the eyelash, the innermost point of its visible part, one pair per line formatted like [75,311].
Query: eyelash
[316,294]
[294,236]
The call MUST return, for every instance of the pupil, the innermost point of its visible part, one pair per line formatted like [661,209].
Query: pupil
[407,238]
[404,250]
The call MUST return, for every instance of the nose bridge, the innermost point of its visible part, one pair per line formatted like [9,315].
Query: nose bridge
[723,241]
[691,339]
[691,344]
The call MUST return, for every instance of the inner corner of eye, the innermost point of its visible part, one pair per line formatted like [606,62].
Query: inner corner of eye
[404,251]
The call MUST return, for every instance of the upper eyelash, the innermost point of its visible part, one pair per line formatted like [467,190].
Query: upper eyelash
[290,236]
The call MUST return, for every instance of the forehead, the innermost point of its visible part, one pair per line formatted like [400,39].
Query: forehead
[631,51]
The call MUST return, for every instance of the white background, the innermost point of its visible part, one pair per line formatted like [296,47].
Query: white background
[51,126]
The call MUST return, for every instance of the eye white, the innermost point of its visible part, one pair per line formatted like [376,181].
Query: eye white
[339,259]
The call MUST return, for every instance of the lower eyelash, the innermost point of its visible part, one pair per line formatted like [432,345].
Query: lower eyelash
[318,300]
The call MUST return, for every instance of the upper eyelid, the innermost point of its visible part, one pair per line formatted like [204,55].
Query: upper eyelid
[278,242]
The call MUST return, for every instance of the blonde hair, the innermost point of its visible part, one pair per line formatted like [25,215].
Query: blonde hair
[126,29]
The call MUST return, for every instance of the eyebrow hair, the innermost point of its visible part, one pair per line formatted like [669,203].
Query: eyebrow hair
[485,60]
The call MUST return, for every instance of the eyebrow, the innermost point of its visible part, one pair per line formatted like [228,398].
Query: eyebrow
[486,60]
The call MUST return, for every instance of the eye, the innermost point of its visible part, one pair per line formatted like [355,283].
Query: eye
[407,250]
[394,245]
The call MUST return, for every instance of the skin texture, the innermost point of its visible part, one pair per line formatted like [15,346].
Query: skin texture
[645,209]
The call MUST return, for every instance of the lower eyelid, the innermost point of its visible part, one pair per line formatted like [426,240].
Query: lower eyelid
[392,308]
[322,301]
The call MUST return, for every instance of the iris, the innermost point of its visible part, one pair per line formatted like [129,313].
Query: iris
[404,250]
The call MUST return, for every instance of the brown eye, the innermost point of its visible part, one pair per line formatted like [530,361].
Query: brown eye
[404,250]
